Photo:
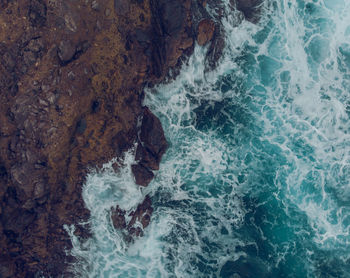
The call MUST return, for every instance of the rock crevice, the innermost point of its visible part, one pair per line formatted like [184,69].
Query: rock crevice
[72,75]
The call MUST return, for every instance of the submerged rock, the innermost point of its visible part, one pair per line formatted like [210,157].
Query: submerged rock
[250,8]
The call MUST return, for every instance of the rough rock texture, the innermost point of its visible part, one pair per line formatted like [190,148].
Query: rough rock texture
[136,221]
[71,79]
[205,31]
[72,74]
[151,147]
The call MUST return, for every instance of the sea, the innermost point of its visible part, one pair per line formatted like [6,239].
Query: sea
[256,180]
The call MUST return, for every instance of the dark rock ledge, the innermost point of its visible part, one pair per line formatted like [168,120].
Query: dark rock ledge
[72,74]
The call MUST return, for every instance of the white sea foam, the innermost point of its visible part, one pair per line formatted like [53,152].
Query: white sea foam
[318,122]
[281,136]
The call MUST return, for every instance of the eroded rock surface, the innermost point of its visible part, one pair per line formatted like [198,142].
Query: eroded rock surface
[136,221]
[205,31]
[71,80]
[72,74]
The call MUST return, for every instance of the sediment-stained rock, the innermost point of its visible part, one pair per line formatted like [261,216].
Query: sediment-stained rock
[71,80]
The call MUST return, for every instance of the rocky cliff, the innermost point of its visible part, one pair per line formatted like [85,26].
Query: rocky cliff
[72,74]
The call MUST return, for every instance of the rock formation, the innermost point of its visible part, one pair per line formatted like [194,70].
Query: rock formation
[72,74]
[71,80]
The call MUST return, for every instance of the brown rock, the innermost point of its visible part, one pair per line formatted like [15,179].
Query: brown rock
[215,50]
[121,7]
[146,158]
[172,15]
[152,135]
[203,2]
[66,51]
[142,215]
[150,149]
[118,218]
[143,175]
[37,13]
[71,99]
[205,31]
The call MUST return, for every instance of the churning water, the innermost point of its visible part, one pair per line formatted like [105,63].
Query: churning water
[255,182]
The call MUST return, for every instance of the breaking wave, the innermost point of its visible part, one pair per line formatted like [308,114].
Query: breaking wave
[255,182]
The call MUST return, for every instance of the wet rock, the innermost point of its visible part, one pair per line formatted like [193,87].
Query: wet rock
[215,50]
[250,8]
[145,158]
[138,219]
[203,2]
[122,141]
[66,51]
[152,135]
[60,118]
[150,149]
[142,213]
[143,175]
[205,31]
[171,37]
[118,218]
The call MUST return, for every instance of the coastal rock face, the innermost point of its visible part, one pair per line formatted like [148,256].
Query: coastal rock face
[71,87]
[151,147]
[137,220]
[205,31]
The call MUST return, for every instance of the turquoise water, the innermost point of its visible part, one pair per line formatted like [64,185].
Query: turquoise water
[255,182]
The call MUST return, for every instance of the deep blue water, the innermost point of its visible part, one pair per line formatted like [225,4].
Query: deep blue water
[255,182]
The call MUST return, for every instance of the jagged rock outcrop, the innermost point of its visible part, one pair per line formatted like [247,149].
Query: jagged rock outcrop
[206,28]
[71,80]
[136,221]
[151,147]
[72,75]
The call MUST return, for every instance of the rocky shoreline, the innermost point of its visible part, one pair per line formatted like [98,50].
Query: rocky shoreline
[72,75]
